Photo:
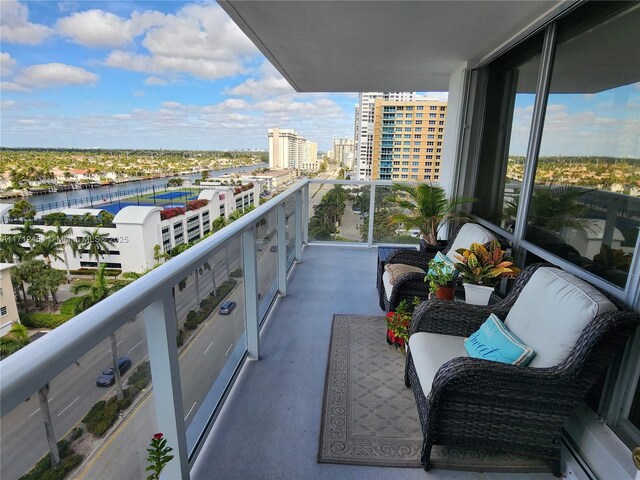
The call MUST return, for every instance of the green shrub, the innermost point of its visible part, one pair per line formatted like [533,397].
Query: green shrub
[180,338]
[43,320]
[75,434]
[236,273]
[43,471]
[104,414]
[110,272]
[140,377]
[191,324]
[68,306]
[192,315]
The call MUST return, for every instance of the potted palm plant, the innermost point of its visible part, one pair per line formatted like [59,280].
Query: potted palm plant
[441,278]
[427,209]
[481,268]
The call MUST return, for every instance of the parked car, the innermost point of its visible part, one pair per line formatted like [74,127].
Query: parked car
[274,248]
[227,307]
[107,378]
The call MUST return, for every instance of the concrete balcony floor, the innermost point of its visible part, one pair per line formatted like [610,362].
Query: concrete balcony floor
[269,426]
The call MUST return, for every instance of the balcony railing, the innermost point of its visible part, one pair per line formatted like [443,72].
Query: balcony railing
[245,263]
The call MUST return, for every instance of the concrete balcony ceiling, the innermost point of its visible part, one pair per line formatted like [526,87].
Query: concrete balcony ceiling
[354,46]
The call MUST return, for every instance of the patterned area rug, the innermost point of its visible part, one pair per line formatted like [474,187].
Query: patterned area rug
[370,418]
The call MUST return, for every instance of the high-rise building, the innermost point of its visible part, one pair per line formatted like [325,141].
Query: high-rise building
[343,152]
[364,127]
[287,149]
[407,140]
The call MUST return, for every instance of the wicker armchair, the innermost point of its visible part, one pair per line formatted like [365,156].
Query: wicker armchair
[412,285]
[519,409]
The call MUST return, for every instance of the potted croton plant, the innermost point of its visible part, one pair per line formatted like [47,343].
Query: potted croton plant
[442,279]
[481,268]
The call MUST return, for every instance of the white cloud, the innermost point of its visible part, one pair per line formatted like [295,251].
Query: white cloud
[7,104]
[268,83]
[199,40]
[7,65]
[12,87]
[53,75]
[15,26]
[153,80]
[97,28]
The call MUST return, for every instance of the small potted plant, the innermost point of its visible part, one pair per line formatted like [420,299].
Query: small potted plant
[398,324]
[442,279]
[481,268]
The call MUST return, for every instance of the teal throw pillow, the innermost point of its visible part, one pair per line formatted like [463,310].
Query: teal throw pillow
[447,263]
[494,341]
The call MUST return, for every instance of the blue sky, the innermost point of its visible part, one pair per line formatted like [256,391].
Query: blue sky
[173,75]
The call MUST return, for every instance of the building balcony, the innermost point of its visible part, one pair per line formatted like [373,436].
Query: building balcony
[239,396]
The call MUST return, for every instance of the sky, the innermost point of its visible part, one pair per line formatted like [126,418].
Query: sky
[171,75]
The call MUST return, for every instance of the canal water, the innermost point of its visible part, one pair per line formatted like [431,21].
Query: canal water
[106,193]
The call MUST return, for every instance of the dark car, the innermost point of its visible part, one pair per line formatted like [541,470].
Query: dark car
[274,248]
[227,307]
[108,378]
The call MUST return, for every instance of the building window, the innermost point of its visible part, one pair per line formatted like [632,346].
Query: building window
[418,122]
[432,122]
[419,107]
[433,107]
[432,115]
[3,311]
[419,115]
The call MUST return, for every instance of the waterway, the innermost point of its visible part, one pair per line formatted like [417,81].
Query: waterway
[93,196]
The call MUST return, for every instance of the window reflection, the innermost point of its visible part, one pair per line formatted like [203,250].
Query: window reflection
[585,206]
[509,111]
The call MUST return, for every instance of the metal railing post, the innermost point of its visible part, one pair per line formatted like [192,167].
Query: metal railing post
[250,273]
[372,205]
[305,214]
[299,228]
[161,329]
[282,248]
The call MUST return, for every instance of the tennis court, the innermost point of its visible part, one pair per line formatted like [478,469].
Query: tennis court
[178,194]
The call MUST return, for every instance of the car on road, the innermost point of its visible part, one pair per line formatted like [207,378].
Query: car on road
[274,248]
[227,307]
[107,378]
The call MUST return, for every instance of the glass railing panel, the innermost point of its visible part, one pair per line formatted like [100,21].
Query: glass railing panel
[386,228]
[338,212]
[211,333]
[92,427]
[267,261]
[290,232]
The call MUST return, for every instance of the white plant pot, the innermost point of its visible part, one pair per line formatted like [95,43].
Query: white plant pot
[477,294]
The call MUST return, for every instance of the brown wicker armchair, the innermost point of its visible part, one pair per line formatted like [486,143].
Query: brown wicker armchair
[412,285]
[520,409]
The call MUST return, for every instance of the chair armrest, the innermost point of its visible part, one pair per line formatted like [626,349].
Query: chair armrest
[453,318]
[410,257]
[407,287]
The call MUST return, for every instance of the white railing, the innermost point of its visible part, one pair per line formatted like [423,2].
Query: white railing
[24,372]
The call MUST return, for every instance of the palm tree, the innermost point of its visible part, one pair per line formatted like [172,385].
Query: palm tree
[96,291]
[64,236]
[19,337]
[48,247]
[426,208]
[95,243]
[27,232]
[11,249]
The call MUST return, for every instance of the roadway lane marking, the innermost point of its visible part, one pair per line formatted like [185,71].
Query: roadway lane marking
[137,344]
[228,350]
[190,410]
[65,408]
[205,352]
[117,344]
[39,409]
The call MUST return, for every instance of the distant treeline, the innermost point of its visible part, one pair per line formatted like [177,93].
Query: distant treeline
[579,159]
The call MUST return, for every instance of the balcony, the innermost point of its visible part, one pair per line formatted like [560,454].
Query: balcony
[234,417]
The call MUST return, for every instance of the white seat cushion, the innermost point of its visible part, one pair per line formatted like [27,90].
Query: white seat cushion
[429,351]
[386,282]
[469,233]
[551,312]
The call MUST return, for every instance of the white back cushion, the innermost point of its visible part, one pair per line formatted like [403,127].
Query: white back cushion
[551,312]
[469,233]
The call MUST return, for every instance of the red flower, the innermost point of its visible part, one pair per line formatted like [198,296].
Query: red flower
[158,436]
[390,314]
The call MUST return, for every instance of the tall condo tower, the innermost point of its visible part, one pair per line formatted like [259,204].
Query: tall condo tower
[364,127]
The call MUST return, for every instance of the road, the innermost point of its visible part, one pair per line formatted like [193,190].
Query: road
[73,392]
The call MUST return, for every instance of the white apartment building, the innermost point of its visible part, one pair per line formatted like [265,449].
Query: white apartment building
[364,127]
[343,152]
[287,149]
[8,308]
[137,229]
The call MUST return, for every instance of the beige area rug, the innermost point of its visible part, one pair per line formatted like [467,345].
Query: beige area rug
[370,418]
